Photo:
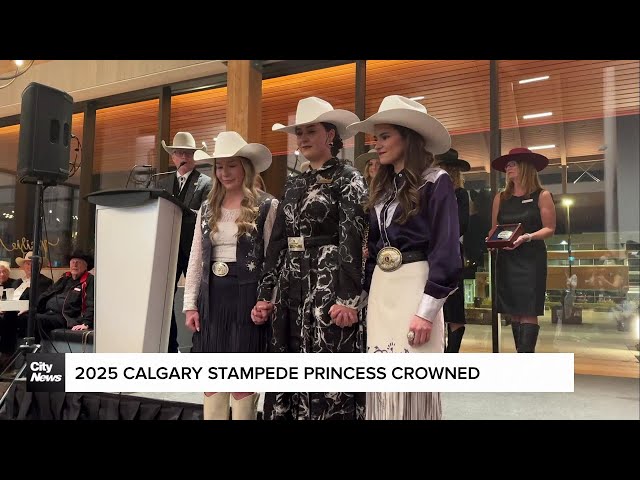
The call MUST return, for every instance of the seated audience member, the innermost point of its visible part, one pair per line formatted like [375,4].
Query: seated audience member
[13,324]
[68,303]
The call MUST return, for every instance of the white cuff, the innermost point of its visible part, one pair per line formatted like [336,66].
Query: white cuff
[429,307]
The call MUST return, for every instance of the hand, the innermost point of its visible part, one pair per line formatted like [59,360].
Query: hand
[261,312]
[80,327]
[343,316]
[192,320]
[421,327]
[23,312]
[524,238]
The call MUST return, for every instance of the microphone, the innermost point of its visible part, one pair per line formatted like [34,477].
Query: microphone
[151,177]
[131,172]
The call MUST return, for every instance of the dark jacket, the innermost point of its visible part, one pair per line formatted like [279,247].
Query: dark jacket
[193,194]
[44,283]
[73,299]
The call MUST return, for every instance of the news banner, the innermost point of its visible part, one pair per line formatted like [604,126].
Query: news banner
[299,372]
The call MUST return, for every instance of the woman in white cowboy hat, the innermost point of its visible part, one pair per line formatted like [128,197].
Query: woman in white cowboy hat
[315,261]
[232,230]
[369,164]
[521,271]
[453,310]
[413,262]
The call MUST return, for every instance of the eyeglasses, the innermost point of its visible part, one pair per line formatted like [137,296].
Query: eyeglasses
[183,153]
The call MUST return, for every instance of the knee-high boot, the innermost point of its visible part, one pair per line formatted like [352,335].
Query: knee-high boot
[454,340]
[515,328]
[216,406]
[244,409]
[528,337]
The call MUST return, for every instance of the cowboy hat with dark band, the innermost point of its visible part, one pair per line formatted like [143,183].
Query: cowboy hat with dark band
[79,254]
[451,158]
[521,154]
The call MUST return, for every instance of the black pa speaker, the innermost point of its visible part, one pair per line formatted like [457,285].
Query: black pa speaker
[45,135]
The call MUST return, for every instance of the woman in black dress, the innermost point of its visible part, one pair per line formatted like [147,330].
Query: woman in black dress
[521,271]
[454,306]
[313,267]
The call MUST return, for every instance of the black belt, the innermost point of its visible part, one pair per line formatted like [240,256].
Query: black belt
[390,259]
[415,256]
[299,244]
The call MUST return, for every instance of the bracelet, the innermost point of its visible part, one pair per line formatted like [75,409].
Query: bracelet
[528,237]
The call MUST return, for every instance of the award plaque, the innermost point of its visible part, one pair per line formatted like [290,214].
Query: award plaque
[504,235]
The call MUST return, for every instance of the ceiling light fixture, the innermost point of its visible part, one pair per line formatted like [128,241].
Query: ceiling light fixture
[535,79]
[20,69]
[541,147]
[537,115]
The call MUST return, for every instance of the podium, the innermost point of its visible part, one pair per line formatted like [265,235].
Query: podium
[136,252]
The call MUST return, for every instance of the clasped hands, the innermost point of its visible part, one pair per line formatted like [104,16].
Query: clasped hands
[342,316]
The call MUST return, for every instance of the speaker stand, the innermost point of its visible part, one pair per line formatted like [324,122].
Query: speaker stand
[29,342]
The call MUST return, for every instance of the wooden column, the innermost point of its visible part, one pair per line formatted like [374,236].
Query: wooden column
[244,114]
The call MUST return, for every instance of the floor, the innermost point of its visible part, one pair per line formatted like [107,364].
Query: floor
[594,398]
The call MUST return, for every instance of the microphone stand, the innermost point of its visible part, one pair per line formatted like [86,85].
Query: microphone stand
[164,173]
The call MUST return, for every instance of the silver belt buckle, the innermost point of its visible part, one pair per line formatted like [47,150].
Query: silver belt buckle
[389,259]
[220,269]
[296,244]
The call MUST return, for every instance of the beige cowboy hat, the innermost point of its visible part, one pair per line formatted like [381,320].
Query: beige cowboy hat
[231,144]
[202,157]
[399,110]
[183,141]
[27,256]
[315,110]
[361,160]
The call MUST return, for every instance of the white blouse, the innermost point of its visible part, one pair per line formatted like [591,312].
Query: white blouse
[225,241]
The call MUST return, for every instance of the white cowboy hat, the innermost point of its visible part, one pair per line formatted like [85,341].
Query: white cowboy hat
[231,144]
[315,110]
[361,160]
[202,157]
[399,110]
[43,261]
[183,141]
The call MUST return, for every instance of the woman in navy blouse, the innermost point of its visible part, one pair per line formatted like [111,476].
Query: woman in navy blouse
[414,255]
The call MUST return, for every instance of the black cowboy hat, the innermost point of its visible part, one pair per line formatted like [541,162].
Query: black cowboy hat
[78,253]
[521,154]
[451,158]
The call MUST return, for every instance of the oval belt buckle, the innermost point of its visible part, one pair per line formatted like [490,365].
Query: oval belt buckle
[389,259]
[220,269]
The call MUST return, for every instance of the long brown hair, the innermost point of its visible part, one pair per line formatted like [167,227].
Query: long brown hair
[527,177]
[417,160]
[248,207]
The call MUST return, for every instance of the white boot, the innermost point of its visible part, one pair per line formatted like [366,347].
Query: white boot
[245,408]
[216,407]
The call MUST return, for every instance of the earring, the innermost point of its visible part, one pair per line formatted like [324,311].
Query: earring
[331,144]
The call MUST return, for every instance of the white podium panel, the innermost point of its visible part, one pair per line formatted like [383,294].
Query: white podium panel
[135,254]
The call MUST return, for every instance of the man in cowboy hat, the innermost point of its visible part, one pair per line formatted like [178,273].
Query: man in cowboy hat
[68,303]
[14,324]
[190,187]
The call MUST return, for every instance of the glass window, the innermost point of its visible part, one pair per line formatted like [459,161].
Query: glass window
[584,116]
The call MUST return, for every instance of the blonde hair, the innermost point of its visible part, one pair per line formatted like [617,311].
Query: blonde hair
[455,173]
[260,183]
[248,207]
[527,178]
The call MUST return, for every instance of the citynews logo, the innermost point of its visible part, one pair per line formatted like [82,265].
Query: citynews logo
[45,372]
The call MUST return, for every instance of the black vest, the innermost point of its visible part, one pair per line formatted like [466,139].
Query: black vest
[249,252]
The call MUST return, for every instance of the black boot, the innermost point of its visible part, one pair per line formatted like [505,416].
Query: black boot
[515,328]
[528,337]
[454,339]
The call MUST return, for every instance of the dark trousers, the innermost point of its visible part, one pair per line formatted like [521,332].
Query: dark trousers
[183,263]
[12,326]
